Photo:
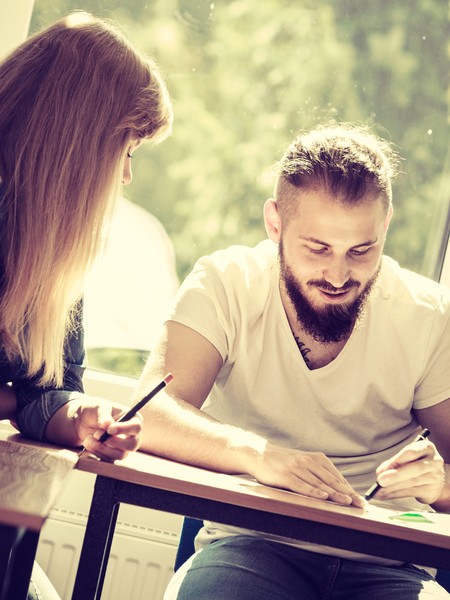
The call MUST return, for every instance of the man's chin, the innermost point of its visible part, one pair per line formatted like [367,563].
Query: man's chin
[329,322]
[324,304]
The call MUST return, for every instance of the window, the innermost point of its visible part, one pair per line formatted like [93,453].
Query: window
[245,76]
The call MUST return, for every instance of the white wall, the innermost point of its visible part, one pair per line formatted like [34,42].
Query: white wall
[132,285]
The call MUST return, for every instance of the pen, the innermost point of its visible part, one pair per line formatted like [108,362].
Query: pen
[134,409]
[376,486]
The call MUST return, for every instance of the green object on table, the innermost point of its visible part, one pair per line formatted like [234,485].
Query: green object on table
[414,517]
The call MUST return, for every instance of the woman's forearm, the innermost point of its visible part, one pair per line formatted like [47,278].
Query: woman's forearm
[8,402]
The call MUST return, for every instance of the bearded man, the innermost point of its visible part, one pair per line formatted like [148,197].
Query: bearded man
[308,362]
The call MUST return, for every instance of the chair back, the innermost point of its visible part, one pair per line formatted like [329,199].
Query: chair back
[186,548]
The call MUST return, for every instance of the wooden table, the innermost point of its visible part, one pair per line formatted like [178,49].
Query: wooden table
[31,476]
[153,482]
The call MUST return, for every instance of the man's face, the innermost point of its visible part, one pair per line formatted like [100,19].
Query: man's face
[330,256]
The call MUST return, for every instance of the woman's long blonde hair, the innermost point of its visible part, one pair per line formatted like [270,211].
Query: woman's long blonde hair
[72,98]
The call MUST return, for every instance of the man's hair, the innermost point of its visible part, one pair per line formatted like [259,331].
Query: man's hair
[72,99]
[347,161]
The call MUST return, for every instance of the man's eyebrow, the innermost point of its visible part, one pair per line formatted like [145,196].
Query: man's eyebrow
[312,239]
[368,243]
[316,241]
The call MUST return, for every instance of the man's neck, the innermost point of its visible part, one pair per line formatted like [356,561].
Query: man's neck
[317,354]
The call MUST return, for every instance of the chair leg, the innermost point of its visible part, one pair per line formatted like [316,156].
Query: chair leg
[17,554]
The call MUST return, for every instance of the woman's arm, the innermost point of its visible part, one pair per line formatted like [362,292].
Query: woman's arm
[68,417]
[8,402]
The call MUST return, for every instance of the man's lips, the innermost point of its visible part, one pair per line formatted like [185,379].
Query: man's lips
[335,296]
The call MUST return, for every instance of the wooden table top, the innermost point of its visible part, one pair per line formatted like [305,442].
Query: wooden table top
[241,490]
[32,473]
[31,476]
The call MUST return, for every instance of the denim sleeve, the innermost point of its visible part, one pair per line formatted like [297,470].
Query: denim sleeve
[37,404]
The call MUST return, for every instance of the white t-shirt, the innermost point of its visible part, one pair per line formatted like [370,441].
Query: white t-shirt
[357,409]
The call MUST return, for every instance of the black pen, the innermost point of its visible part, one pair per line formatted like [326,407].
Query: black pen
[134,409]
[376,486]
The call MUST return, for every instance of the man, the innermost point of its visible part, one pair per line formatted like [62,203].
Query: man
[309,362]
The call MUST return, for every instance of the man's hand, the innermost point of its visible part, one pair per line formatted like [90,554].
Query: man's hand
[309,473]
[417,471]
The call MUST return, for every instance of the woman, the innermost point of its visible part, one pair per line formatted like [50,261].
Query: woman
[76,100]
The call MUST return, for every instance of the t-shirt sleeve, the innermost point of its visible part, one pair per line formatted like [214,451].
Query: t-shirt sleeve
[434,384]
[202,304]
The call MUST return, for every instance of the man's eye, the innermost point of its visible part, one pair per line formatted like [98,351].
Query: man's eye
[360,252]
[129,155]
[317,250]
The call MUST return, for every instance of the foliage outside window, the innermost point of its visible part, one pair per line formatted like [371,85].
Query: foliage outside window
[246,75]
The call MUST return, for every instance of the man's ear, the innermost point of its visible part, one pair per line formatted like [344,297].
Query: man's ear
[272,220]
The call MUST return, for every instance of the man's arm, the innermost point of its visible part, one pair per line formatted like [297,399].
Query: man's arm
[437,419]
[422,469]
[175,427]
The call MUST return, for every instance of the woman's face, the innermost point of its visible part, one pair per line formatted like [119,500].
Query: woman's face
[127,175]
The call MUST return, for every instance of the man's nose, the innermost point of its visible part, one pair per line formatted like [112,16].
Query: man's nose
[337,272]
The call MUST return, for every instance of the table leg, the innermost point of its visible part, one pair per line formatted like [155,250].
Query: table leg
[97,541]
[17,553]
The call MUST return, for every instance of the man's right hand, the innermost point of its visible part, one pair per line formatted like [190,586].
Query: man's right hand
[309,473]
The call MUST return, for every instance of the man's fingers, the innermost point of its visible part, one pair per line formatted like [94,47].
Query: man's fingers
[413,452]
[317,477]
[415,472]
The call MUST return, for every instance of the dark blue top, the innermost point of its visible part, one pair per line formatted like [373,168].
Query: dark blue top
[37,404]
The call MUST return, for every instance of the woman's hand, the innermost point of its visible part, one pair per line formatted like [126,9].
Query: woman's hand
[93,421]
[84,419]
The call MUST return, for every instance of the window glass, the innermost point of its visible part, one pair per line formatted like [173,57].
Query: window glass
[245,76]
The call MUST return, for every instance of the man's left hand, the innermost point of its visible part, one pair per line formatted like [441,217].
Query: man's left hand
[417,471]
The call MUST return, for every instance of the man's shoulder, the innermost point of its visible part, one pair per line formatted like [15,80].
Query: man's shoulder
[229,289]
[240,279]
[404,285]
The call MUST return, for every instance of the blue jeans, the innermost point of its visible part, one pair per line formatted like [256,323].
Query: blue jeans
[248,568]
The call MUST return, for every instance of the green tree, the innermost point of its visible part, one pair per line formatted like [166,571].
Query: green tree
[246,75]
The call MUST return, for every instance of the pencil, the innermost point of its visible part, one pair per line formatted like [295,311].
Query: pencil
[376,486]
[134,409]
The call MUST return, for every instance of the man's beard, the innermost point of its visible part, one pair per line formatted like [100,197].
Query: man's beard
[331,322]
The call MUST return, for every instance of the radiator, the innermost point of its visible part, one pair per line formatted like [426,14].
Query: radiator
[142,553]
